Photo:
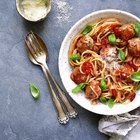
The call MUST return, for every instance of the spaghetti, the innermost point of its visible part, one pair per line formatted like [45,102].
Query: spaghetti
[107,53]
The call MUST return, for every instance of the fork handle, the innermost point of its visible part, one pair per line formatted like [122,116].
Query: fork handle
[72,113]
[62,117]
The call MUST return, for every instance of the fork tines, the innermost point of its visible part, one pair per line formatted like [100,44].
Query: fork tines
[32,42]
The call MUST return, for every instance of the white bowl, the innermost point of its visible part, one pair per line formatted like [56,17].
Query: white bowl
[35,17]
[65,68]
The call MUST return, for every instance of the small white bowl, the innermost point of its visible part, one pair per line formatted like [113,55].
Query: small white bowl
[34,17]
[65,68]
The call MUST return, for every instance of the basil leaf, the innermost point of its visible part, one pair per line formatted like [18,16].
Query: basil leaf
[136,29]
[87,29]
[121,55]
[103,85]
[135,76]
[110,103]
[35,92]
[112,39]
[138,87]
[79,87]
[103,100]
[75,57]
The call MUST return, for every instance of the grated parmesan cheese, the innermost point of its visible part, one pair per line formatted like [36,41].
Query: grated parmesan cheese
[34,8]
[111,59]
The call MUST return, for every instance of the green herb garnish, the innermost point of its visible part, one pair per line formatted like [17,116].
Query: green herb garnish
[87,29]
[110,103]
[79,87]
[135,76]
[136,29]
[121,54]
[103,85]
[75,57]
[112,39]
[103,100]
[35,92]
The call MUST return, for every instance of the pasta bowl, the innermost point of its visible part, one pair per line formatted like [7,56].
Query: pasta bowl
[65,68]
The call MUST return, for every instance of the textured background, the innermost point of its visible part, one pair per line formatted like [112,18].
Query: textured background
[22,118]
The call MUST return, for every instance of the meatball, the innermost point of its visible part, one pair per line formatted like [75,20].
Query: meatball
[127,31]
[124,72]
[134,46]
[77,76]
[93,90]
[84,43]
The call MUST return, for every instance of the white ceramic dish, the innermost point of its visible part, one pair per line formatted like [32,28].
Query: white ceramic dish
[37,15]
[65,68]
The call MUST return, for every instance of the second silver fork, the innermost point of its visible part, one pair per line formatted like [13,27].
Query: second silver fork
[38,52]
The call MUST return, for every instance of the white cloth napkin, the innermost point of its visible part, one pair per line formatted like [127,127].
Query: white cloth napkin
[121,127]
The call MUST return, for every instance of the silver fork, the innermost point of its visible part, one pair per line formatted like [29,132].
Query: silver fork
[38,53]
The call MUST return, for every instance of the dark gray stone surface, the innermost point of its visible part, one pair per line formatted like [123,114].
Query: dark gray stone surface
[22,118]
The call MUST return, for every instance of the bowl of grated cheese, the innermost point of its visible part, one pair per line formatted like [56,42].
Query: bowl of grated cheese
[33,10]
